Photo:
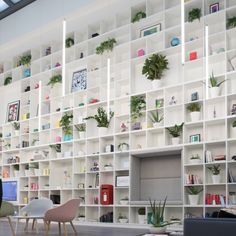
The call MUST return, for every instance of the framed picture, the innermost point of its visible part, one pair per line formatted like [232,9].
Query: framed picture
[150,30]
[122,181]
[159,103]
[233,110]
[13,109]
[195,138]
[194,96]
[214,7]
[79,80]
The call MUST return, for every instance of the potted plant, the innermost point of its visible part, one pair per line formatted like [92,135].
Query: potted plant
[69,42]
[124,201]
[108,167]
[122,219]
[106,46]
[194,109]
[81,128]
[141,215]
[137,106]
[195,159]
[16,127]
[8,80]
[101,119]
[35,142]
[215,86]
[154,68]
[215,170]
[123,147]
[25,61]
[193,194]
[57,149]
[231,22]
[16,170]
[194,14]
[175,132]
[81,217]
[156,119]
[138,16]
[65,123]
[56,79]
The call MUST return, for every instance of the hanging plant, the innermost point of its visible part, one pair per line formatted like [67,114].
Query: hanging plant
[138,16]
[69,42]
[106,46]
[8,80]
[25,60]
[55,80]
[194,14]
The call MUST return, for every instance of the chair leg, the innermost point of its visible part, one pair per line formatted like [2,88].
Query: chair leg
[73,227]
[17,222]
[11,226]
[46,225]
[33,224]
[59,226]
[26,225]
[65,229]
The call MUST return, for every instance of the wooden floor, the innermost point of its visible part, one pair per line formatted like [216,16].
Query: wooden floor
[82,231]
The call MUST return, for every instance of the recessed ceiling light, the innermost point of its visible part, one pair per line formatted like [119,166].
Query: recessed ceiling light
[3,5]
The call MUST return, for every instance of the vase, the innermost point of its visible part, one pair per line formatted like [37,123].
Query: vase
[193,199]
[123,221]
[156,124]
[82,135]
[195,116]
[67,137]
[216,179]
[157,230]
[156,83]
[103,131]
[194,161]
[214,92]
[124,202]
[175,141]
[27,72]
[141,219]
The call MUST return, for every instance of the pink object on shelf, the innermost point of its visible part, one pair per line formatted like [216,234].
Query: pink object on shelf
[140,52]
[58,139]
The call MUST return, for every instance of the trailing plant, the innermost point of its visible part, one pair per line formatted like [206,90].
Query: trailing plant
[138,16]
[69,42]
[176,130]
[194,14]
[154,67]
[155,117]
[234,124]
[56,147]
[192,107]
[54,80]
[231,22]
[141,211]
[25,60]
[194,190]
[101,117]
[65,123]
[7,80]
[16,125]
[106,46]
[138,104]
[215,169]
[80,127]
[214,82]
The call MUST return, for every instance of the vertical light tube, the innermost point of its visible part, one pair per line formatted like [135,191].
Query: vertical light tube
[40,107]
[108,86]
[207,59]
[182,33]
[64,58]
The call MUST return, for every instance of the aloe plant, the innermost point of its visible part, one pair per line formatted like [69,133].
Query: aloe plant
[215,169]
[156,117]
[194,190]
[176,130]
[214,82]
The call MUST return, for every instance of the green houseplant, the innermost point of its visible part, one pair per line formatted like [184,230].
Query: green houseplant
[123,219]
[231,22]
[194,14]
[193,194]
[8,80]
[102,120]
[156,118]
[195,159]
[154,68]
[57,149]
[138,16]
[69,42]
[106,46]
[25,61]
[124,201]
[16,127]
[141,215]
[55,80]
[194,109]
[215,170]
[81,128]
[175,132]
[215,86]
[65,123]
[16,170]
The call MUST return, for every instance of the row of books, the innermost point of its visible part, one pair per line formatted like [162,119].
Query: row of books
[215,199]
[192,179]
[210,158]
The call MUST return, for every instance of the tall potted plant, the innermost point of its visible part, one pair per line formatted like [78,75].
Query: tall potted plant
[81,128]
[175,132]
[65,123]
[234,129]
[141,215]
[215,170]
[156,119]
[25,62]
[194,109]
[194,194]
[57,149]
[16,127]
[102,120]
[154,68]
[215,86]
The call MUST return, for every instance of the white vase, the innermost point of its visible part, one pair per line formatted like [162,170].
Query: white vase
[81,135]
[233,132]
[157,230]
[17,132]
[214,92]
[123,221]
[103,131]
[156,124]
[193,199]
[195,161]
[216,179]
[141,219]
[156,83]
[175,141]
[195,116]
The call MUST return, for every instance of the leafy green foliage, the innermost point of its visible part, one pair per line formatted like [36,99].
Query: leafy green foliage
[69,42]
[25,60]
[54,80]
[65,123]
[231,22]
[234,124]
[8,80]
[141,211]
[194,190]
[56,147]
[106,46]
[80,127]
[176,130]
[154,66]
[156,117]
[215,169]
[138,104]
[194,107]
[214,82]
[101,117]
[16,125]
[194,14]
[138,16]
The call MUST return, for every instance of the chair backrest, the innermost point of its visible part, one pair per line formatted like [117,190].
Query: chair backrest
[37,207]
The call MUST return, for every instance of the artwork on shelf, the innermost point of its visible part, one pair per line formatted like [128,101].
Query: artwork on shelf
[195,138]
[214,7]
[159,103]
[13,109]
[192,56]
[173,101]
[79,80]
[194,96]
[233,110]
[122,181]
[150,30]
[175,41]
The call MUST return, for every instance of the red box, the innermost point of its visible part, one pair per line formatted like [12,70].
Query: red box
[106,194]
[192,56]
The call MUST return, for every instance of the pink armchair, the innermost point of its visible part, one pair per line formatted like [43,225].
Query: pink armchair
[62,214]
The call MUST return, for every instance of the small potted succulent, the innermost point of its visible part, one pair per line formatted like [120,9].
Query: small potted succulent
[124,201]
[194,194]
[106,46]
[194,14]
[194,109]
[141,215]
[175,132]
[122,147]
[156,119]
[234,129]
[138,16]
[195,159]
[16,127]
[69,42]
[215,86]
[215,170]
[81,128]
[25,61]
[8,80]
[108,167]
[123,219]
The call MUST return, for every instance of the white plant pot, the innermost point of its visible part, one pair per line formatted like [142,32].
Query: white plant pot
[195,161]
[16,173]
[123,221]
[81,219]
[59,155]
[157,230]
[175,141]
[17,132]
[193,199]
[195,116]
[103,131]
[233,132]
[214,92]
[82,135]
[216,179]
[156,84]
[141,219]
[124,202]
[108,168]
[156,124]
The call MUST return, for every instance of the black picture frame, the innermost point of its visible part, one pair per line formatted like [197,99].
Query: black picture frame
[13,110]
[79,80]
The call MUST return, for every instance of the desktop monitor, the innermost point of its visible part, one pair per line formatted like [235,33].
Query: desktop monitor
[9,189]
